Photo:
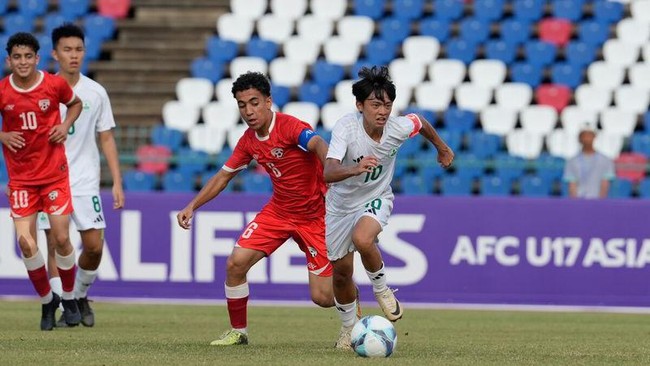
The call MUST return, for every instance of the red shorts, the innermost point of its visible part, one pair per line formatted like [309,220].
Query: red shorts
[269,230]
[52,198]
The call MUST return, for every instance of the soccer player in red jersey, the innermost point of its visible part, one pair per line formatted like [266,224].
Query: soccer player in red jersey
[32,137]
[292,154]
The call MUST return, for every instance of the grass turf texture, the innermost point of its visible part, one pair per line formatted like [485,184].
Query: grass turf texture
[180,335]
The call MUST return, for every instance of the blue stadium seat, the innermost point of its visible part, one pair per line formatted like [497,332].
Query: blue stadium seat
[203,67]
[205,177]
[379,51]
[281,94]
[593,32]
[257,183]
[223,50]
[646,121]
[640,143]
[430,116]
[16,22]
[256,47]
[175,181]
[173,139]
[453,138]
[457,119]
[4,176]
[32,8]
[326,73]
[515,31]
[45,41]
[483,145]
[494,186]
[508,167]
[354,69]
[4,5]
[580,53]
[462,50]
[501,50]
[469,165]
[429,168]
[490,10]
[529,10]
[452,185]
[136,181]
[325,134]
[448,9]
[550,168]
[93,48]
[566,74]
[620,188]
[191,162]
[609,11]
[644,188]
[522,72]
[98,26]
[394,29]
[408,9]
[53,20]
[540,53]
[72,9]
[434,27]
[316,93]
[410,148]
[474,30]
[369,8]
[534,186]
[416,185]
[567,9]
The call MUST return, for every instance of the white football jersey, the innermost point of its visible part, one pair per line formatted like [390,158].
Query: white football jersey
[81,145]
[349,144]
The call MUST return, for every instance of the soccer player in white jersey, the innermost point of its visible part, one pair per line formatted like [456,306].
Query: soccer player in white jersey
[83,157]
[360,165]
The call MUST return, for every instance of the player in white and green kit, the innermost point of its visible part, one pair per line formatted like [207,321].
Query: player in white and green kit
[360,165]
[95,122]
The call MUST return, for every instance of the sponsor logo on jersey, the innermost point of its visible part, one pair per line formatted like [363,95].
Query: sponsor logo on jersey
[277,152]
[312,251]
[44,104]
[358,159]
[53,208]
[53,195]
[393,152]
[9,107]
[86,106]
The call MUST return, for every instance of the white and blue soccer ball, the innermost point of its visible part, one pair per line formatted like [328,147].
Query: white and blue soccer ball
[374,336]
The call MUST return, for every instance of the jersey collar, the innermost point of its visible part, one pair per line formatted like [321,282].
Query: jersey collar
[264,138]
[21,90]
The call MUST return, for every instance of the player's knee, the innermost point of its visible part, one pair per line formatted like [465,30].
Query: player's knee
[60,239]
[235,268]
[324,299]
[362,242]
[27,245]
[341,277]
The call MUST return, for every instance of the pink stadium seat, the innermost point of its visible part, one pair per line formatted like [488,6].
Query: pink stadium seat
[556,31]
[153,158]
[631,166]
[116,9]
[556,96]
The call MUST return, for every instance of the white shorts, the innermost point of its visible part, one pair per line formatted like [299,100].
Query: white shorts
[88,214]
[338,229]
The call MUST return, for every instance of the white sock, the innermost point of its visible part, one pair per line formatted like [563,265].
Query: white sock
[83,279]
[378,279]
[57,287]
[347,312]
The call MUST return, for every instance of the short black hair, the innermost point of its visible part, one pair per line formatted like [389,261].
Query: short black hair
[23,39]
[66,30]
[252,80]
[374,80]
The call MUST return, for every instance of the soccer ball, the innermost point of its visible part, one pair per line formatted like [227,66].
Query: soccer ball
[374,336]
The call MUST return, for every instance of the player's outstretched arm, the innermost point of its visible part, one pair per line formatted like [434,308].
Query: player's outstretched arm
[107,141]
[334,171]
[319,147]
[212,188]
[445,154]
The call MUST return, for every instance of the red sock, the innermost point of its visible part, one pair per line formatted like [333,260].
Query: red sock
[237,312]
[40,281]
[67,278]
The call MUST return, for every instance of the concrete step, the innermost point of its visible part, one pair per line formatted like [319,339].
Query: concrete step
[137,119]
[168,45]
[133,66]
[224,4]
[206,16]
[157,79]
[164,56]
[196,35]
[154,26]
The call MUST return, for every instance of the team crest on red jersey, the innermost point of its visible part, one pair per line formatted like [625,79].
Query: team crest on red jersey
[53,195]
[277,152]
[44,104]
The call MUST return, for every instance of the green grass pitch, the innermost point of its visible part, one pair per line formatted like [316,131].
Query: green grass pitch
[180,335]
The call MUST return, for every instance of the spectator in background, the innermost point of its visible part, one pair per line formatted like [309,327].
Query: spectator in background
[589,173]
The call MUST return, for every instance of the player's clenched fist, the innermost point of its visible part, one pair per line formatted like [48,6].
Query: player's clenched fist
[12,140]
[185,217]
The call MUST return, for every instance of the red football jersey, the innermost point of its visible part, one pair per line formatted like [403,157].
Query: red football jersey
[297,175]
[34,112]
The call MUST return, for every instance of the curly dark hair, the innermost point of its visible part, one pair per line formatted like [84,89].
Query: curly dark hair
[22,39]
[374,80]
[252,80]
[66,30]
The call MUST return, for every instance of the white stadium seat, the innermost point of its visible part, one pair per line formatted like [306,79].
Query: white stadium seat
[646,52]
[341,51]
[223,91]
[404,94]
[633,31]
[179,116]
[631,98]
[573,118]
[275,28]
[433,97]
[639,75]
[563,143]
[447,72]
[618,52]
[304,111]
[616,121]
[592,98]
[206,138]
[421,49]
[235,133]
[498,120]
[539,119]
[332,112]
[250,9]
[343,92]
[605,75]
[609,144]
[292,9]
[356,28]
[194,91]
[329,9]
[516,96]
[315,29]
[235,28]
[473,97]
[301,49]
[524,144]
[220,115]
[406,72]
[286,72]
[640,10]
[487,73]
[244,64]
